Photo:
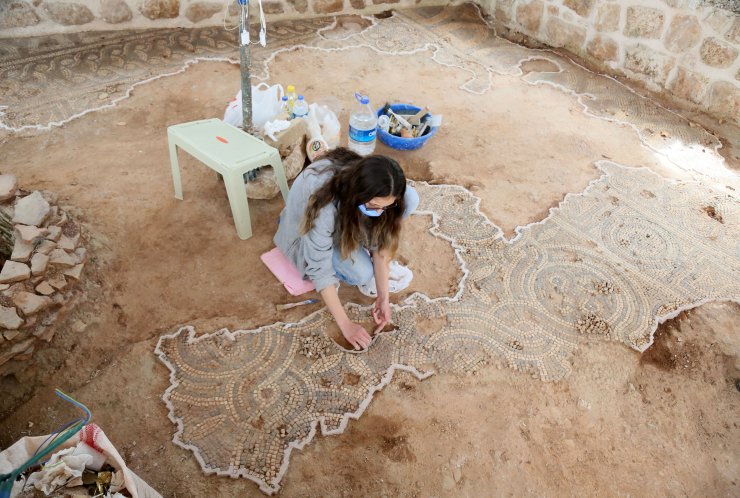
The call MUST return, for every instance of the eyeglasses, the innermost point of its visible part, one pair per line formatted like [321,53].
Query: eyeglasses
[381,209]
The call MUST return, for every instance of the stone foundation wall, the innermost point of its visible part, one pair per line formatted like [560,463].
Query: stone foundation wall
[43,17]
[687,48]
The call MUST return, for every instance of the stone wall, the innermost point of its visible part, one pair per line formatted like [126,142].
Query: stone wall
[38,278]
[43,17]
[687,48]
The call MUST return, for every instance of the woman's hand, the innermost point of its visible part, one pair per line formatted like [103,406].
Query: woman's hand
[356,335]
[381,313]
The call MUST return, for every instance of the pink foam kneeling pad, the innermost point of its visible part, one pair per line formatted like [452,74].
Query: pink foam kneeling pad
[286,272]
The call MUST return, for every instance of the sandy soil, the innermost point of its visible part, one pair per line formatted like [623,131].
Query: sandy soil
[660,424]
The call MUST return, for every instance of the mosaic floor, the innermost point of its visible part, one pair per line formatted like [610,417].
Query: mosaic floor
[610,262]
[631,250]
[48,81]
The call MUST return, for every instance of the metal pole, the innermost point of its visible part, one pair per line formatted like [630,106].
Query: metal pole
[246,60]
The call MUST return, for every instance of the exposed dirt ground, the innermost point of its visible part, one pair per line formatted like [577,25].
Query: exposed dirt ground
[660,424]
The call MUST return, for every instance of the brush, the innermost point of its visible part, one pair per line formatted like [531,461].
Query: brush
[281,307]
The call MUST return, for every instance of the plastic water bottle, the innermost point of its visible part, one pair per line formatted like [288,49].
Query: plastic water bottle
[300,108]
[292,97]
[362,126]
[284,112]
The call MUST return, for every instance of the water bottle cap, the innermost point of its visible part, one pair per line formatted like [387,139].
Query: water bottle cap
[285,98]
[362,99]
[291,88]
[300,97]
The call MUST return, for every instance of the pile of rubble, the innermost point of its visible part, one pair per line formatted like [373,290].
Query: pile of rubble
[292,146]
[43,261]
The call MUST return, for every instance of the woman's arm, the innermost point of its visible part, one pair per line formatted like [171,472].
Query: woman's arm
[382,308]
[353,332]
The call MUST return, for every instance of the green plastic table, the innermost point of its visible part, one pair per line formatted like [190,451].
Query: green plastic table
[229,151]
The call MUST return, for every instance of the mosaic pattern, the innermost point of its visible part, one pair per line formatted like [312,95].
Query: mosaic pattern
[48,81]
[632,250]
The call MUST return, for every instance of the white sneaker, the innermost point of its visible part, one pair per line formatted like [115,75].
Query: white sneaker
[399,278]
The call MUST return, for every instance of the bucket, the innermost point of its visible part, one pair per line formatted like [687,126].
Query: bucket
[401,143]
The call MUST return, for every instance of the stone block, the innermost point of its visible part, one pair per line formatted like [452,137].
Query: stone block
[265,186]
[60,257]
[357,4]
[724,101]
[45,289]
[603,48]
[46,247]
[300,6]
[529,15]
[69,14]
[54,233]
[17,15]
[58,281]
[18,348]
[327,6]
[273,7]
[200,11]
[287,139]
[644,22]
[10,335]
[644,60]
[81,254]
[607,17]
[160,9]
[75,272]
[581,7]
[684,32]
[115,11]
[69,243]
[39,263]
[8,186]
[689,85]
[561,34]
[30,303]
[21,250]
[717,53]
[31,209]
[378,2]
[9,319]
[14,272]
[30,233]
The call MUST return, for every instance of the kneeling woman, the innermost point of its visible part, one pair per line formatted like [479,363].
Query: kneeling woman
[342,222]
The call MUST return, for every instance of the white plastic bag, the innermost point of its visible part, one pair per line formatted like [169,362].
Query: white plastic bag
[15,455]
[330,127]
[265,105]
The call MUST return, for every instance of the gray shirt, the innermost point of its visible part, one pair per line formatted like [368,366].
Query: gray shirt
[312,252]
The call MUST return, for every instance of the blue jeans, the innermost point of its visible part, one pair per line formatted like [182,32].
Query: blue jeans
[358,269]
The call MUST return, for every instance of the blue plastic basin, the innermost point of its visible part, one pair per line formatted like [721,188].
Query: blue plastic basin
[401,143]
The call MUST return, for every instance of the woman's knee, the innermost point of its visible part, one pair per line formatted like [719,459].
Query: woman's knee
[355,271]
[410,201]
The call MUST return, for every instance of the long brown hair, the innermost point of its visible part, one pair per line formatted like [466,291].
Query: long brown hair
[358,180]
